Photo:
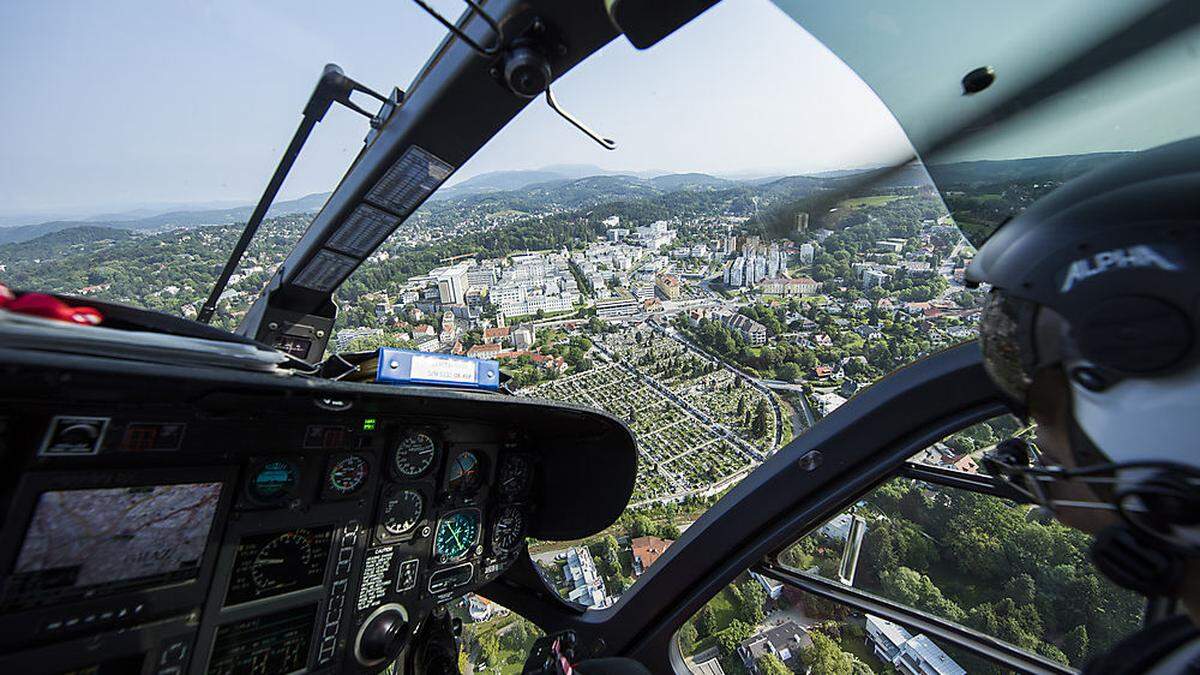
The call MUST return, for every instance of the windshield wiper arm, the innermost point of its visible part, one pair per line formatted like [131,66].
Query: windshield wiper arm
[333,86]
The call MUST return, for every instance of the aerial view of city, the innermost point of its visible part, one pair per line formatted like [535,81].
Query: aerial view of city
[719,320]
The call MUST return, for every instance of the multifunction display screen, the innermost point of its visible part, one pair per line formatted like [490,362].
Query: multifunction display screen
[274,643]
[275,563]
[109,539]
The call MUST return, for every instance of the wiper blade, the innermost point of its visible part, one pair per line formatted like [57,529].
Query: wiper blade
[333,86]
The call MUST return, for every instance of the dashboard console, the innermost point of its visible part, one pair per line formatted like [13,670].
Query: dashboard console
[170,520]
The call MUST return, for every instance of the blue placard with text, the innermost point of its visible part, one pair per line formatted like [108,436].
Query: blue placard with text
[403,366]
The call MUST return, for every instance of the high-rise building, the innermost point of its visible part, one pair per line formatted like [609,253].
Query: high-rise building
[801,221]
[807,253]
[452,283]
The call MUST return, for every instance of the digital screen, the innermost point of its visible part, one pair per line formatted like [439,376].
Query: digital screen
[111,538]
[273,643]
[275,563]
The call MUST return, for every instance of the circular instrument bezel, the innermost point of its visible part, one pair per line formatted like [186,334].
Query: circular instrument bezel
[469,549]
[400,494]
[363,464]
[505,482]
[507,512]
[477,473]
[399,471]
[286,492]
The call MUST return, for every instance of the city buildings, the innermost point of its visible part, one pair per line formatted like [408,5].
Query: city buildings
[872,278]
[802,286]
[667,286]
[618,309]
[646,551]
[756,263]
[783,641]
[585,586]
[908,654]
[451,283]
[754,332]
[347,335]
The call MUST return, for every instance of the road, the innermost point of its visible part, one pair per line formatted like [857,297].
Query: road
[798,388]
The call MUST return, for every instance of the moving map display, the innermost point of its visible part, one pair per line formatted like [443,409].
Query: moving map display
[79,540]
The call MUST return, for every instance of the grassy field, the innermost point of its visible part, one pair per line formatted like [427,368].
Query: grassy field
[874,200]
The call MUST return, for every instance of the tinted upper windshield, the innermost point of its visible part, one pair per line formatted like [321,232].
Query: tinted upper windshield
[915,58]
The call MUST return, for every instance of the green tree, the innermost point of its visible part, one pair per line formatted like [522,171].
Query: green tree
[759,427]
[789,372]
[706,622]
[688,636]
[826,657]
[769,664]
[753,598]
[1075,644]
[489,648]
[912,588]
[729,638]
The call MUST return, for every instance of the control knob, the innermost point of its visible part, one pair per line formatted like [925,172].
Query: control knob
[382,636]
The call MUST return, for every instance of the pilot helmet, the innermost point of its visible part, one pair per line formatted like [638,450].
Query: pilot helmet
[1101,278]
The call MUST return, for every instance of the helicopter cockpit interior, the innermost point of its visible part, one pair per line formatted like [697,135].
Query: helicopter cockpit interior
[178,498]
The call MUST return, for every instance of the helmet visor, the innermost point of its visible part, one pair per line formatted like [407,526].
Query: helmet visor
[1004,326]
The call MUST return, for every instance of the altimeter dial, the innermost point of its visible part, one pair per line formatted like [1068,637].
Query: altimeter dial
[508,531]
[414,455]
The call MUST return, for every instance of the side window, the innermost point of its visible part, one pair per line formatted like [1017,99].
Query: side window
[963,450]
[973,559]
[494,638]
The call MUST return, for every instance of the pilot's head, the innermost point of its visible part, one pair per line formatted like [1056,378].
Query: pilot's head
[1092,329]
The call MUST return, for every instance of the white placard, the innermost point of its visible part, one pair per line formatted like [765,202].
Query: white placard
[443,370]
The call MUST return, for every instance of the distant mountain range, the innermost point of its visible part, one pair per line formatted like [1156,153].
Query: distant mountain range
[162,221]
[577,184]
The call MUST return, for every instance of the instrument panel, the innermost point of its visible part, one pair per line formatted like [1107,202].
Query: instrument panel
[171,520]
[271,555]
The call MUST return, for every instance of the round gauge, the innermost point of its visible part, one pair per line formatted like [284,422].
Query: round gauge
[414,455]
[516,473]
[282,560]
[347,475]
[274,481]
[457,534]
[465,474]
[508,530]
[402,510]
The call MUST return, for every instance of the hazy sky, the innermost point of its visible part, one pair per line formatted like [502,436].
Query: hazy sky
[113,104]
[109,105]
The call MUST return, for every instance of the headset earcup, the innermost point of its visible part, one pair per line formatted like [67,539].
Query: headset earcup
[1134,334]
[1129,561]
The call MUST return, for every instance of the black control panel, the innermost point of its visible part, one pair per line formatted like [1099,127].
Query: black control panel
[250,545]
[157,519]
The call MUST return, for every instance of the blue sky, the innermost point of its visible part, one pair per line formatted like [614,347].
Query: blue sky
[111,105]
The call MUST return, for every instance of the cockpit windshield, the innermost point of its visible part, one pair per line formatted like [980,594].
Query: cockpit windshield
[1068,85]
[720,282]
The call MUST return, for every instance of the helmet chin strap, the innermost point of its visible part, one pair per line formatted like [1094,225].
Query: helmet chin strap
[1140,552]
[1129,553]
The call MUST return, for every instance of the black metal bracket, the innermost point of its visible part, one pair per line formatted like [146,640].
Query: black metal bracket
[333,87]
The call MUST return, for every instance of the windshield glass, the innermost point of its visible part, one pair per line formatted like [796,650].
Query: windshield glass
[916,58]
[145,132]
